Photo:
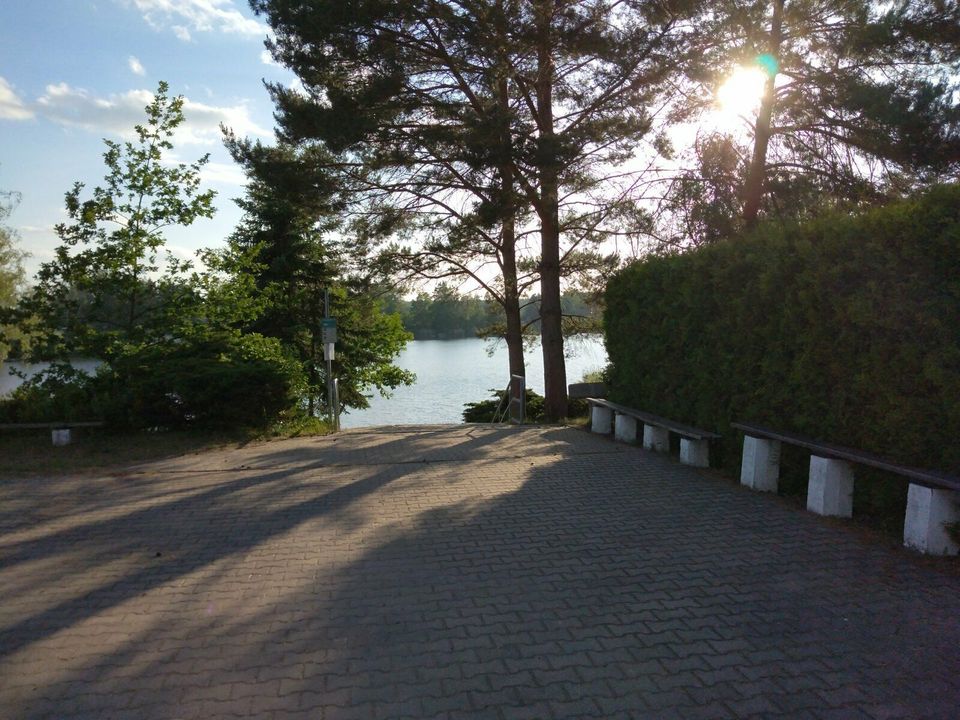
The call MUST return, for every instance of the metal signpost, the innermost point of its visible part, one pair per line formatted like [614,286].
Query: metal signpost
[328,337]
[518,396]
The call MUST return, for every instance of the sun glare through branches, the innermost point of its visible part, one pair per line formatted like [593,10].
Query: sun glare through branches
[738,98]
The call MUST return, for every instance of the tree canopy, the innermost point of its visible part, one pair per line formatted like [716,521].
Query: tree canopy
[291,214]
[111,284]
[858,106]
[11,269]
[512,147]
[511,107]
[221,344]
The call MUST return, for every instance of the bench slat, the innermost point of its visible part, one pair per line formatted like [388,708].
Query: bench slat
[928,478]
[680,429]
[49,425]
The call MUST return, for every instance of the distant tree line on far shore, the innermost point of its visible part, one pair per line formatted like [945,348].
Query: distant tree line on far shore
[447,314]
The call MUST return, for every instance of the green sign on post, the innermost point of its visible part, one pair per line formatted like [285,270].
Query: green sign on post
[328,331]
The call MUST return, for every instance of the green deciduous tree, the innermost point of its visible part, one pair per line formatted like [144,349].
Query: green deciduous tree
[447,314]
[170,339]
[109,288]
[11,269]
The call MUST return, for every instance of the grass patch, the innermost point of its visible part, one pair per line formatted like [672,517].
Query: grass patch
[298,427]
[31,452]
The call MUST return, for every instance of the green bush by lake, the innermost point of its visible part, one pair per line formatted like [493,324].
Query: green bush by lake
[238,381]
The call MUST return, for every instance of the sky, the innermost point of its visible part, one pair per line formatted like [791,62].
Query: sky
[73,72]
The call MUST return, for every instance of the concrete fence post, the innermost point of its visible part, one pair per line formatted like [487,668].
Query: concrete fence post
[601,420]
[695,453]
[760,469]
[656,438]
[830,488]
[928,511]
[625,428]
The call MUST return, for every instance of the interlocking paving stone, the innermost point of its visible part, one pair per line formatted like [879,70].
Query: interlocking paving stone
[455,571]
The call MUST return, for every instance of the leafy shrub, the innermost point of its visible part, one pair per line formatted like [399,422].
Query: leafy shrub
[483,411]
[225,380]
[845,329]
[222,381]
[595,376]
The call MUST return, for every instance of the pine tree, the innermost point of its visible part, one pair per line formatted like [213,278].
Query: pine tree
[521,105]
[291,211]
[858,103]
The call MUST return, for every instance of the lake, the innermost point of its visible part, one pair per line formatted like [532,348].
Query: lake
[9,382]
[450,373]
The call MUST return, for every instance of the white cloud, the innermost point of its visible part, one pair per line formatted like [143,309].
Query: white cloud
[205,120]
[186,16]
[181,252]
[267,59]
[216,173]
[11,106]
[136,67]
[297,85]
[77,108]
[117,114]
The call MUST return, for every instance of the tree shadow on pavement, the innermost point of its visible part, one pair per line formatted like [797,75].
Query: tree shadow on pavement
[578,580]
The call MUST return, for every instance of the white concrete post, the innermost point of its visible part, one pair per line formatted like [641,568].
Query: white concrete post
[601,420]
[625,428]
[760,469]
[928,510]
[61,436]
[695,452]
[656,438]
[830,488]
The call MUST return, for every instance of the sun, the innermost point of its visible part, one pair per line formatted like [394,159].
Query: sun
[739,97]
[742,91]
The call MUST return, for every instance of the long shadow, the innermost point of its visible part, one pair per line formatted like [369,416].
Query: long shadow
[615,586]
[582,585]
[298,460]
[192,532]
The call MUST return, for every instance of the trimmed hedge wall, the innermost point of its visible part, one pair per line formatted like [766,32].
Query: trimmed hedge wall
[845,329]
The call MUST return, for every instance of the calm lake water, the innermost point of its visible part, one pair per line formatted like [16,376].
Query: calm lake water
[9,382]
[450,373]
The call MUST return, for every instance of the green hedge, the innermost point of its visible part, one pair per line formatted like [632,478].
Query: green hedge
[846,329]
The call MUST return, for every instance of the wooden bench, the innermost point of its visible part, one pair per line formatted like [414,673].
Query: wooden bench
[586,390]
[932,497]
[60,431]
[607,417]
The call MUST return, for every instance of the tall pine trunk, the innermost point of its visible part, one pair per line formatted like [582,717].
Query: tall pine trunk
[508,207]
[551,333]
[511,309]
[757,173]
[508,241]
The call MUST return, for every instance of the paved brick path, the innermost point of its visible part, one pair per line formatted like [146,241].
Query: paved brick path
[455,572]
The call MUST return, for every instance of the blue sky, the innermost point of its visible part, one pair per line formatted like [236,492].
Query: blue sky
[73,72]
